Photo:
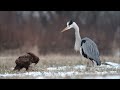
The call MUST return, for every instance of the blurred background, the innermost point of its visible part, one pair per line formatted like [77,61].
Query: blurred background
[39,31]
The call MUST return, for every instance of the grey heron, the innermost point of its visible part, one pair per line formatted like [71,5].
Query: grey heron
[86,46]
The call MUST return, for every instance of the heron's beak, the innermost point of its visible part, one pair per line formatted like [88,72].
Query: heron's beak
[65,29]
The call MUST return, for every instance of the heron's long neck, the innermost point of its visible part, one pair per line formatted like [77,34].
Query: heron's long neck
[77,38]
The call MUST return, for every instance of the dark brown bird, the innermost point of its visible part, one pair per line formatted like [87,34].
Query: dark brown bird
[25,61]
[33,58]
[22,62]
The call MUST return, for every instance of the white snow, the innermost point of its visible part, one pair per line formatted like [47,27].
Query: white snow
[79,67]
[113,64]
[67,67]
[58,68]
[103,77]
[41,75]
[52,68]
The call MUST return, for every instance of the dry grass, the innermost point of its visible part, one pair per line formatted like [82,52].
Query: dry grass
[7,63]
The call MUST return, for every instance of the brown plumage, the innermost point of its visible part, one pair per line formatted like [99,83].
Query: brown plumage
[22,62]
[34,58]
[25,61]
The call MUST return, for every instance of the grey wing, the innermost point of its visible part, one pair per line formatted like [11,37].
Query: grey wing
[90,49]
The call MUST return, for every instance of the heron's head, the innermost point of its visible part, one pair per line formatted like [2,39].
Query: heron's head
[69,25]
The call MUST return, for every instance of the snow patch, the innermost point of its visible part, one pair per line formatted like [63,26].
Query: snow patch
[79,67]
[103,77]
[113,64]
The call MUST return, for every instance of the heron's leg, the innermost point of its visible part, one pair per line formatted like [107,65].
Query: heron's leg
[88,63]
[93,63]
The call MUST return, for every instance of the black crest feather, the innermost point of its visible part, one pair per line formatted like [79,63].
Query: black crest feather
[70,22]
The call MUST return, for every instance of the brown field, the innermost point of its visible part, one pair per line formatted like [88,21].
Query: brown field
[7,63]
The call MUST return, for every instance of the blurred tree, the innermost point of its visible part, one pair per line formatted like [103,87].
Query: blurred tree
[42,29]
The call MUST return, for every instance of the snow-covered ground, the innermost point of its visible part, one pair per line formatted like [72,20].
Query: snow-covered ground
[111,71]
